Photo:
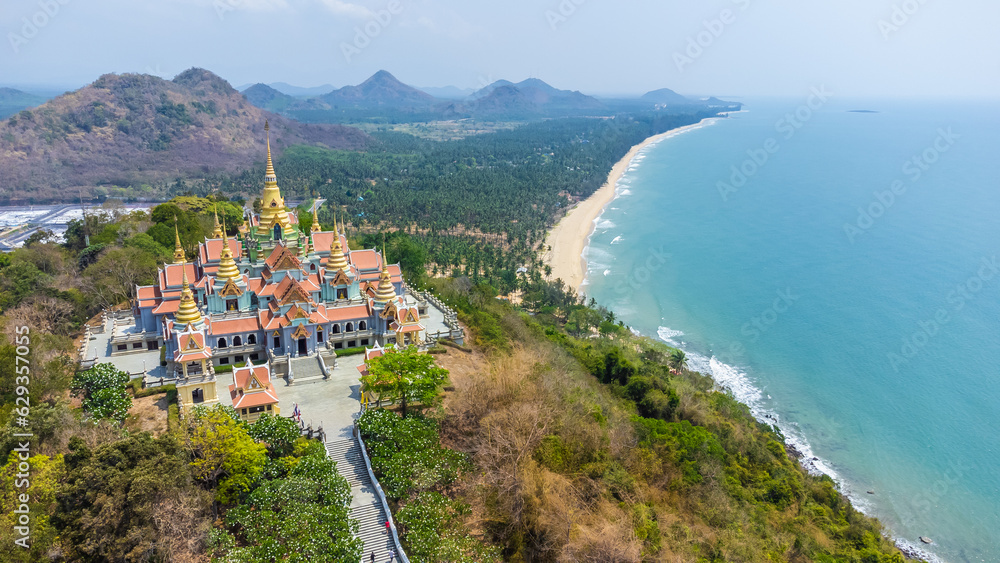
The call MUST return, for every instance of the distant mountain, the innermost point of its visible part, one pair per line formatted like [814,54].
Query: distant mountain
[135,128]
[530,97]
[448,92]
[667,97]
[486,90]
[13,101]
[299,91]
[266,97]
[381,90]
[716,102]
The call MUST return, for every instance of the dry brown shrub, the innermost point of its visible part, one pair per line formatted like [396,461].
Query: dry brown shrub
[149,414]
[609,539]
[183,523]
[40,313]
[501,382]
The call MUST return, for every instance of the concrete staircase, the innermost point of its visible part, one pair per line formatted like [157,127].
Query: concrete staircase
[306,369]
[365,506]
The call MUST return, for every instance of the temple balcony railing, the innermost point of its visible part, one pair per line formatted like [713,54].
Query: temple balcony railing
[241,349]
[337,337]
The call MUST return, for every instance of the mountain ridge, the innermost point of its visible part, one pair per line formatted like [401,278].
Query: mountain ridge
[137,128]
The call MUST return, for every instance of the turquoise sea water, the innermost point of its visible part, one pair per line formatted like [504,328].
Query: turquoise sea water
[871,335]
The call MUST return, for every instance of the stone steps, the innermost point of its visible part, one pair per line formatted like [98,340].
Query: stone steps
[305,369]
[365,506]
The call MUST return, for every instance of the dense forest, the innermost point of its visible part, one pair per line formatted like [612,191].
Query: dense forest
[480,206]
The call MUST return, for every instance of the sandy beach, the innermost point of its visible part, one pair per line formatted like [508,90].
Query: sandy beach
[569,237]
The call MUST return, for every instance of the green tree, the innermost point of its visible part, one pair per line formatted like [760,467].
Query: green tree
[129,500]
[617,367]
[298,518]
[103,389]
[45,474]
[406,375]
[225,455]
[117,272]
[678,360]
[279,433]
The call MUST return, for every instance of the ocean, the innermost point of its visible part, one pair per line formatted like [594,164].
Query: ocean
[835,264]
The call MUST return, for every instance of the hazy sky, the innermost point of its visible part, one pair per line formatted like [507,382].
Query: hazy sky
[722,47]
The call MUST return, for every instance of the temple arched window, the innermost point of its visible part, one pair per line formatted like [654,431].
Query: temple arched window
[362,325]
[336,329]
[237,341]
[222,343]
[251,339]
[349,327]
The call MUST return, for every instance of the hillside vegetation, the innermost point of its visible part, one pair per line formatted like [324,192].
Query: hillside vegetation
[133,129]
[605,447]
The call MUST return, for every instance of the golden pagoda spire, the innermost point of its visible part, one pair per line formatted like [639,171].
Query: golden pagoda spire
[227,265]
[179,256]
[188,313]
[269,170]
[337,260]
[272,205]
[385,291]
[218,232]
[315,225]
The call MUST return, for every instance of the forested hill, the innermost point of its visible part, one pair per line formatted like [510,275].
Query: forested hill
[130,129]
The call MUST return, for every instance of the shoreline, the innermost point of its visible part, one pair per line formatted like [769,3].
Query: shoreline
[570,237]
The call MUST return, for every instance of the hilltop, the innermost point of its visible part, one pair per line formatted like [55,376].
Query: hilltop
[13,101]
[268,98]
[382,89]
[136,128]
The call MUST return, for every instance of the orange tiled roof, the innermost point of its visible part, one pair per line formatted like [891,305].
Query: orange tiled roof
[166,307]
[170,275]
[244,397]
[366,259]
[323,241]
[281,253]
[211,249]
[231,326]
[354,312]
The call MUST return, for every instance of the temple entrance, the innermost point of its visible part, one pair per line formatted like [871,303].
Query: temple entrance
[198,396]
[277,232]
[303,348]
